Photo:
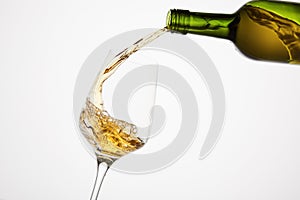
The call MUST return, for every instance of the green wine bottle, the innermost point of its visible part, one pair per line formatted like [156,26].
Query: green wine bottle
[263,30]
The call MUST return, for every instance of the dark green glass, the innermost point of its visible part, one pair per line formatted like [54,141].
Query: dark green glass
[263,30]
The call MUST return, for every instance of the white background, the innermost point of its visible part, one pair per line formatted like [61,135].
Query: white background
[43,45]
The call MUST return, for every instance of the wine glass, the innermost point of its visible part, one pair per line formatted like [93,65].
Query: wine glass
[109,137]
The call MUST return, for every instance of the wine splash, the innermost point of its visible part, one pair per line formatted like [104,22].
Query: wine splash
[111,137]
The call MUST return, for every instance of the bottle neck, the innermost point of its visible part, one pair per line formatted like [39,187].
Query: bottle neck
[216,25]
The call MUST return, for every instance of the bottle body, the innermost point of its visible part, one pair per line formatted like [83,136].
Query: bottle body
[263,30]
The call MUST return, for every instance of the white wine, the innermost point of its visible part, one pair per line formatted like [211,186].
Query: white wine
[108,136]
[279,35]
[113,137]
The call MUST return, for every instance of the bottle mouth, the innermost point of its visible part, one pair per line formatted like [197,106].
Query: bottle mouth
[169,19]
[178,20]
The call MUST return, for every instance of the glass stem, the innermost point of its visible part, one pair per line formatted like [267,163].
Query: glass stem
[102,168]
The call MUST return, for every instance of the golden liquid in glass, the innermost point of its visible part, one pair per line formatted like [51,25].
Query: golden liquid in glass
[109,136]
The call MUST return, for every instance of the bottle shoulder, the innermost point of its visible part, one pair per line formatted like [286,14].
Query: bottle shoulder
[287,10]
